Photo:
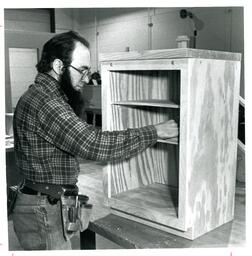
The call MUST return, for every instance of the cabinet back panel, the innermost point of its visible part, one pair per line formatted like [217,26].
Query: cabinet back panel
[135,116]
[145,85]
[156,164]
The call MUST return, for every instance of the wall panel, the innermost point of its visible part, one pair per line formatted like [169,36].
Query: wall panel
[27,19]
[90,36]
[66,19]
[118,36]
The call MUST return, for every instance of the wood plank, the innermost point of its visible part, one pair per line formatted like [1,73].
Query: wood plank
[184,154]
[242,101]
[157,203]
[134,235]
[170,54]
[213,107]
[151,102]
[106,124]
[169,229]
[241,146]
[146,65]
[154,197]
[169,141]
[145,85]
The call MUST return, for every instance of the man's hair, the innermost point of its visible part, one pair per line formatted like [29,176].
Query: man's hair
[60,47]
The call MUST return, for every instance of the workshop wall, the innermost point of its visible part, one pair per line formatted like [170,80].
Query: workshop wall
[118,29]
[27,20]
[121,29]
[66,19]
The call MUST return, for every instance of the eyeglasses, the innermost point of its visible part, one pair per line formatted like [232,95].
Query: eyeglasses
[85,73]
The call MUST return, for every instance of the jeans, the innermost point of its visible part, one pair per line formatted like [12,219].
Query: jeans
[38,224]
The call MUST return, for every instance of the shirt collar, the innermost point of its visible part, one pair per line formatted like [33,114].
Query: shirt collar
[50,84]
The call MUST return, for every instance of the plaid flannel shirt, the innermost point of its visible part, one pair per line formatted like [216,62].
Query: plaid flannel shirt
[49,137]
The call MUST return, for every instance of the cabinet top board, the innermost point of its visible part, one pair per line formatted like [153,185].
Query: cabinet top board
[170,54]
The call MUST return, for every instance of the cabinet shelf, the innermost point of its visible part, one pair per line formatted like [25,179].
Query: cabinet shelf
[156,200]
[151,103]
[169,141]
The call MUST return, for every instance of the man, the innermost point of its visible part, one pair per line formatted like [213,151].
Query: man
[49,136]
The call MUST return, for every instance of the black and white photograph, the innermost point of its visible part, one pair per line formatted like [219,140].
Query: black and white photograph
[124,127]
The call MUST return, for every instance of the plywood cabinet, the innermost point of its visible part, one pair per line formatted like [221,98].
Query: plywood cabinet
[186,185]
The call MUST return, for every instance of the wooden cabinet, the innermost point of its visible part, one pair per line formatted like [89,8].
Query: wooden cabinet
[184,186]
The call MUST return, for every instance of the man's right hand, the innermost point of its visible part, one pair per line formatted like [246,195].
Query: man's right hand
[167,129]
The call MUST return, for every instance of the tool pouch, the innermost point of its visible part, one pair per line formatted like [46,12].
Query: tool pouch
[76,214]
[69,213]
[84,215]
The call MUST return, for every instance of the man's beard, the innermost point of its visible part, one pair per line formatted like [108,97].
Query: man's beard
[75,98]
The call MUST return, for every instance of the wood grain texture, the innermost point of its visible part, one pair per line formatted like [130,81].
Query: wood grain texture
[152,165]
[148,85]
[203,164]
[145,85]
[213,111]
[106,125]
[170,54]
[130,234]
[152,103]
[184,137]
[147,167]
[145,65]
[154,84]
[151,87]
[169,229]
[174,141]
[157,203]
[90,183]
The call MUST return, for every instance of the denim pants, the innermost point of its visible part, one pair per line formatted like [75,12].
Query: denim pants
[38,224]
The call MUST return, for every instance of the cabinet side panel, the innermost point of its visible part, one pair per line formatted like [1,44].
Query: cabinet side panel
[214,95]
[106,110]
[184,152]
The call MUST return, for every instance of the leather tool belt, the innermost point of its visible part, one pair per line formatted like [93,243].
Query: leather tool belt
[52,190]
[75,210]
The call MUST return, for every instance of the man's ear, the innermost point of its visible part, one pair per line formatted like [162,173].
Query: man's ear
[58,66]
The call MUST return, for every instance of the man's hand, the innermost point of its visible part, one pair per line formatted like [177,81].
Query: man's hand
[167,129]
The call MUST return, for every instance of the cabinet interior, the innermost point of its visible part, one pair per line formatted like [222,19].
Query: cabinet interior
[146,186]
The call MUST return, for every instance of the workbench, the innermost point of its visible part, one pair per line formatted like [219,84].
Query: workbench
[130,234]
